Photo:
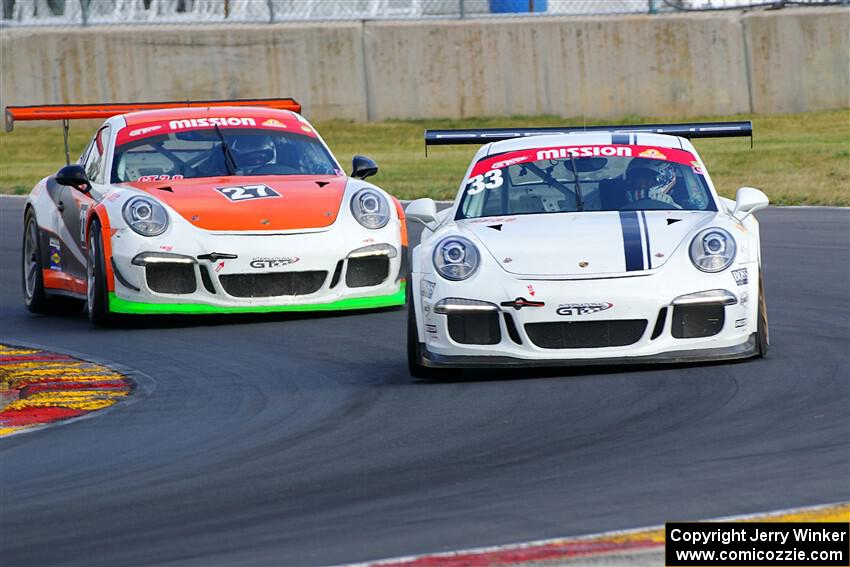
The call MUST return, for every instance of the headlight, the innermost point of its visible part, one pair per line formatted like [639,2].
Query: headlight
[370,208]
[145,216]
[713,250]
[456,258]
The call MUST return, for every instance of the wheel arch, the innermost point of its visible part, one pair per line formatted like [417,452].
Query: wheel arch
[99,213]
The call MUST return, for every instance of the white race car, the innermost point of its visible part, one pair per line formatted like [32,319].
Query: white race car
[585,246]
[208,207]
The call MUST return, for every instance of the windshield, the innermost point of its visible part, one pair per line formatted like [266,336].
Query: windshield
[585,178]
[218,152]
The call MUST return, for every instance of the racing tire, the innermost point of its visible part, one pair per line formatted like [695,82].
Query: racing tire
[36,297]
[762,331]
[414,358]
[97,304]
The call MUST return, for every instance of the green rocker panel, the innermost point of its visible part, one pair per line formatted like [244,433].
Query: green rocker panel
[118,305]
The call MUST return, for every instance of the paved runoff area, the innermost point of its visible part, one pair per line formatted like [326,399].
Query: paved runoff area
[39,388]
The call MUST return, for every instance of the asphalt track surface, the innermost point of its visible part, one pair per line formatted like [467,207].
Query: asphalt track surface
[296,440]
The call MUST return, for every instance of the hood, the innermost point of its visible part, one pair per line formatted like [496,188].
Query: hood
[604,243]
[237,203]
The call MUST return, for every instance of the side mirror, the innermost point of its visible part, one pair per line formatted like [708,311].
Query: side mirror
[74,176]
[423,211]
[747,201]
[363,167]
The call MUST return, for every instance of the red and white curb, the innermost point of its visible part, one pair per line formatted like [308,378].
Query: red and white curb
[40,387]
[594,545]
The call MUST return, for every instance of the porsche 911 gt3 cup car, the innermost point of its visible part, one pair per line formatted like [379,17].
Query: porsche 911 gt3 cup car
[582,246]
[212,207]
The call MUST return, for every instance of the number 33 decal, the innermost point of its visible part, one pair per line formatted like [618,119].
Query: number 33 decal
[489,180]
[246,192]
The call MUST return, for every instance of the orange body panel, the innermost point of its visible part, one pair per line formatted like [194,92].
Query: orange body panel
[60,280]
[402,219]
[106,235]
[301,203]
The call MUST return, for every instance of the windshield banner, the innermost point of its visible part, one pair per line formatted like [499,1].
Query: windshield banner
[564,152]
[138,131]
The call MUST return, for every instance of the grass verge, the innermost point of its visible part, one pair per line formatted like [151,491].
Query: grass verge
[797,159]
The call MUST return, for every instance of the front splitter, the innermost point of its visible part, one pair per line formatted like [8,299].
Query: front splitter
[747,349]
[119,305]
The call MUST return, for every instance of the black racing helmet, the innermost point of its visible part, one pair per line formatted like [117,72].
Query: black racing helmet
[645,174]
[253,150]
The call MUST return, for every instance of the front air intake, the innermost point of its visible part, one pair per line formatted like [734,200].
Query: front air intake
[695,321]
[586,334]
[273,284]
[171,278]
[474,327]
[367,271]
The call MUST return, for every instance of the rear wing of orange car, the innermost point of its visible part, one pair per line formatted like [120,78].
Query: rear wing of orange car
[67,112]
[104,111]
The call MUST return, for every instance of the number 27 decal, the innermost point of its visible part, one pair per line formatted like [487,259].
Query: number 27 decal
[247,192]
[489,180]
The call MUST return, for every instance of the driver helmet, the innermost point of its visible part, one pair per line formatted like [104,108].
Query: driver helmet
[254,151]
[649,179]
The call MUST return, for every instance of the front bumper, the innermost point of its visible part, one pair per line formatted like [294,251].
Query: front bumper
[651,318]
[255,273]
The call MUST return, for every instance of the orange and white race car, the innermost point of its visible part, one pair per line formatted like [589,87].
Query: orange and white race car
[208,207]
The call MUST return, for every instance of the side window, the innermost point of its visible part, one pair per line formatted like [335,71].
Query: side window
[96,154]
[84,156]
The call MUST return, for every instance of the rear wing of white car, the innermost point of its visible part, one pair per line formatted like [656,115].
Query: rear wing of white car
[685,130]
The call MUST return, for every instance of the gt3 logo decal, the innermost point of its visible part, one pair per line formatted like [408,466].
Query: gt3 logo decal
[568,309]
[741,276]
[273,262]
[247,192]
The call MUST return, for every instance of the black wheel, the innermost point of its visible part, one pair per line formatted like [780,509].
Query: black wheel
[33,280]
[762,332]
[97,295]
[414,366]
[35,296]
